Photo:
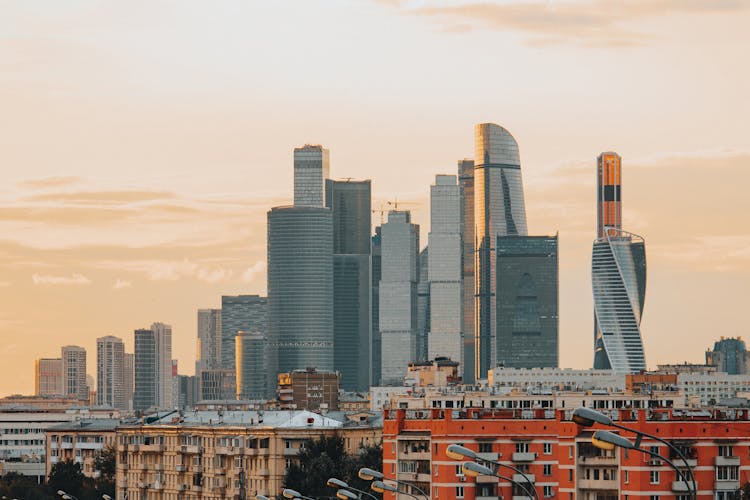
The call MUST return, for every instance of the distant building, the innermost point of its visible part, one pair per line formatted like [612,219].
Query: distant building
[423,304]
[218,384]
[251,371]
[187,391]
[164,368]
[311,169]
[48,379]
[81,441]
[110,373]
[439,372]
[309,390]
[144,367]
[376,276]
[398,296]
[350,203]
[238,313]
[128,379]
[561,379]
[527,301]
[445,261]
[466,187]
[208,348]
[729,355]
[74,372]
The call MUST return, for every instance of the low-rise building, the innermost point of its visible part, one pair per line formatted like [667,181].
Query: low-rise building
[555,378]
[80,441]
[225,454]
[309,389]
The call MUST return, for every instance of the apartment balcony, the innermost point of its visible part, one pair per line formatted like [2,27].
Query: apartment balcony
[133,447]
[89,446]
[228,450]
[521,497]
[520,479]
[180,468]
[597,460]
[485,498]
[141,466]
[142,484]
[66,446]
[122,467]
[158,467]
[152,448]
[190,449]
[196,468]
[53,445]
[523,456]
[220,471]
[182,487]
[726,485]
[291,452]
[414,455]
[484,479]
[680,486]
[727,461]
[489,456]
[158,485]
[598,484]
[251,452]
[264,472]
[196,488]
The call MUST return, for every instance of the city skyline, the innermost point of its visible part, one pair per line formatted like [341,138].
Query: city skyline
[115,216]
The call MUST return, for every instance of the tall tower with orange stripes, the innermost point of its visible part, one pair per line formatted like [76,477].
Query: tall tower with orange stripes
[618,277]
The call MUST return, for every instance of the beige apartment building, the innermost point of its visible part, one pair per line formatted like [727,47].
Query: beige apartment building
[226,454]
[80,441]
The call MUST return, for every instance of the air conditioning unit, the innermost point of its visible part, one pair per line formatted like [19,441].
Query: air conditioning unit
[462,479]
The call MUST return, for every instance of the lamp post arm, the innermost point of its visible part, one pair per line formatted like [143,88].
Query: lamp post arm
[524,486]
[420,490]
[514,469]
[362,492]
[680,474]
[670,446]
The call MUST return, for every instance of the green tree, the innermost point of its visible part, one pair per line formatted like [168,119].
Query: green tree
[14,485]
[106,463]
[66,476]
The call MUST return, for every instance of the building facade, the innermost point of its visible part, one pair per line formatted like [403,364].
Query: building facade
[110,372]
[445,277]
[499,210]
[217,385]
[351,206]
[309,389]
[251,373]
[375,277]
[729,355]
[423,304]
[74,372]
[164,366]
[48,379]
[311,169]
[246,313]
[144,370]
[527,301]
[466,187]
[208,352]
[618,275]
[80,442]
[398,296]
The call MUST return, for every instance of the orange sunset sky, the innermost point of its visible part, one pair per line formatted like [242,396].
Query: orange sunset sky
[142,142]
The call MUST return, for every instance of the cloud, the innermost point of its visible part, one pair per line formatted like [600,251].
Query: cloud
[170,270]
[120,284]
[591,22]
[46,279]
[253,272]
[49,182]
[104,196]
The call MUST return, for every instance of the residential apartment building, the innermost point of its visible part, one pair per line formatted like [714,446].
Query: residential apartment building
[80,441]
[225,454]
[74,372]
[557,455]
[48,379]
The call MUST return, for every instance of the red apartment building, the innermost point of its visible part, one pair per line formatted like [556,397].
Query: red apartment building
[558,455]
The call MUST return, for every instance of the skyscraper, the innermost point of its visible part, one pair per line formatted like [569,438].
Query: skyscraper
[128,376]
[423,304]
[74,372]
[311,168]
[729,355]
[375,277]
[208,348]
[466,185]
[527,302]
[144,367]
[164,372]
[110,365]
[350,203]
[445,270]
[398,296]
[618,274]
[48,379]
[239,312]
[251,365]
[498,211]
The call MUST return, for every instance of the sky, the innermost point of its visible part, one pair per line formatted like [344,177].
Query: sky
[143,142]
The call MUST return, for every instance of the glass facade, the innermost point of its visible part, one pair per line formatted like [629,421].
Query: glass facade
[311,167]
[239,312]
[527,302]
[250,352]
[445,285]
[74,372]
[466,186]
[350,202]
[110,352]
[208,348]
[145,370]
[499,210]
[375,297]
[300,290]
[618,274]
[423,305]
[398,296]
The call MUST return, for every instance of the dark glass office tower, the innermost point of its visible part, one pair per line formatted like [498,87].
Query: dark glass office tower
[466,188]
[423,306]
[250,374]
[350,202]
[527,302]
[375,297]
[300,290]
[239,313]
[499,210]
[144,395]
[618,275]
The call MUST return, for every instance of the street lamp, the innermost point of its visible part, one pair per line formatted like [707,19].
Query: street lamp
[381,487]
[587,417]
[368,474]
[66,496]
[458,452]
[292,494]
[106,497]
[606,440]
[343,486]
[473,469]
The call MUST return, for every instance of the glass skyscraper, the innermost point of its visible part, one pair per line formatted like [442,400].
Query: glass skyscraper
[466,186]
[527,302]
[208,347]
[398,296]
[445,285]
[239,312]
[618,274]
[74,372]
[144,395]
[251,365]
[350,202]
[499,210]
[311,167]
[375,297]
[423,305]
[110,364]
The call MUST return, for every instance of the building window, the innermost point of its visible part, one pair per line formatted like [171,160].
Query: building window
[727,473]
[625,476]
[654,477]
[726,450]
[459,491]
[485,447]
[459,471]
[547,469]
[548,448]
[436,470]
[522,447]
[570,474]
[435,491]
[548,492]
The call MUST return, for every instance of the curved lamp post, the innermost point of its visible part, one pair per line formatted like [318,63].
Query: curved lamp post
[292,494]
[368,474]
[342,486]
[66,496]
[261,497]
[474,469]
[606,440]
[106,497]
[587,417]
[458,452]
